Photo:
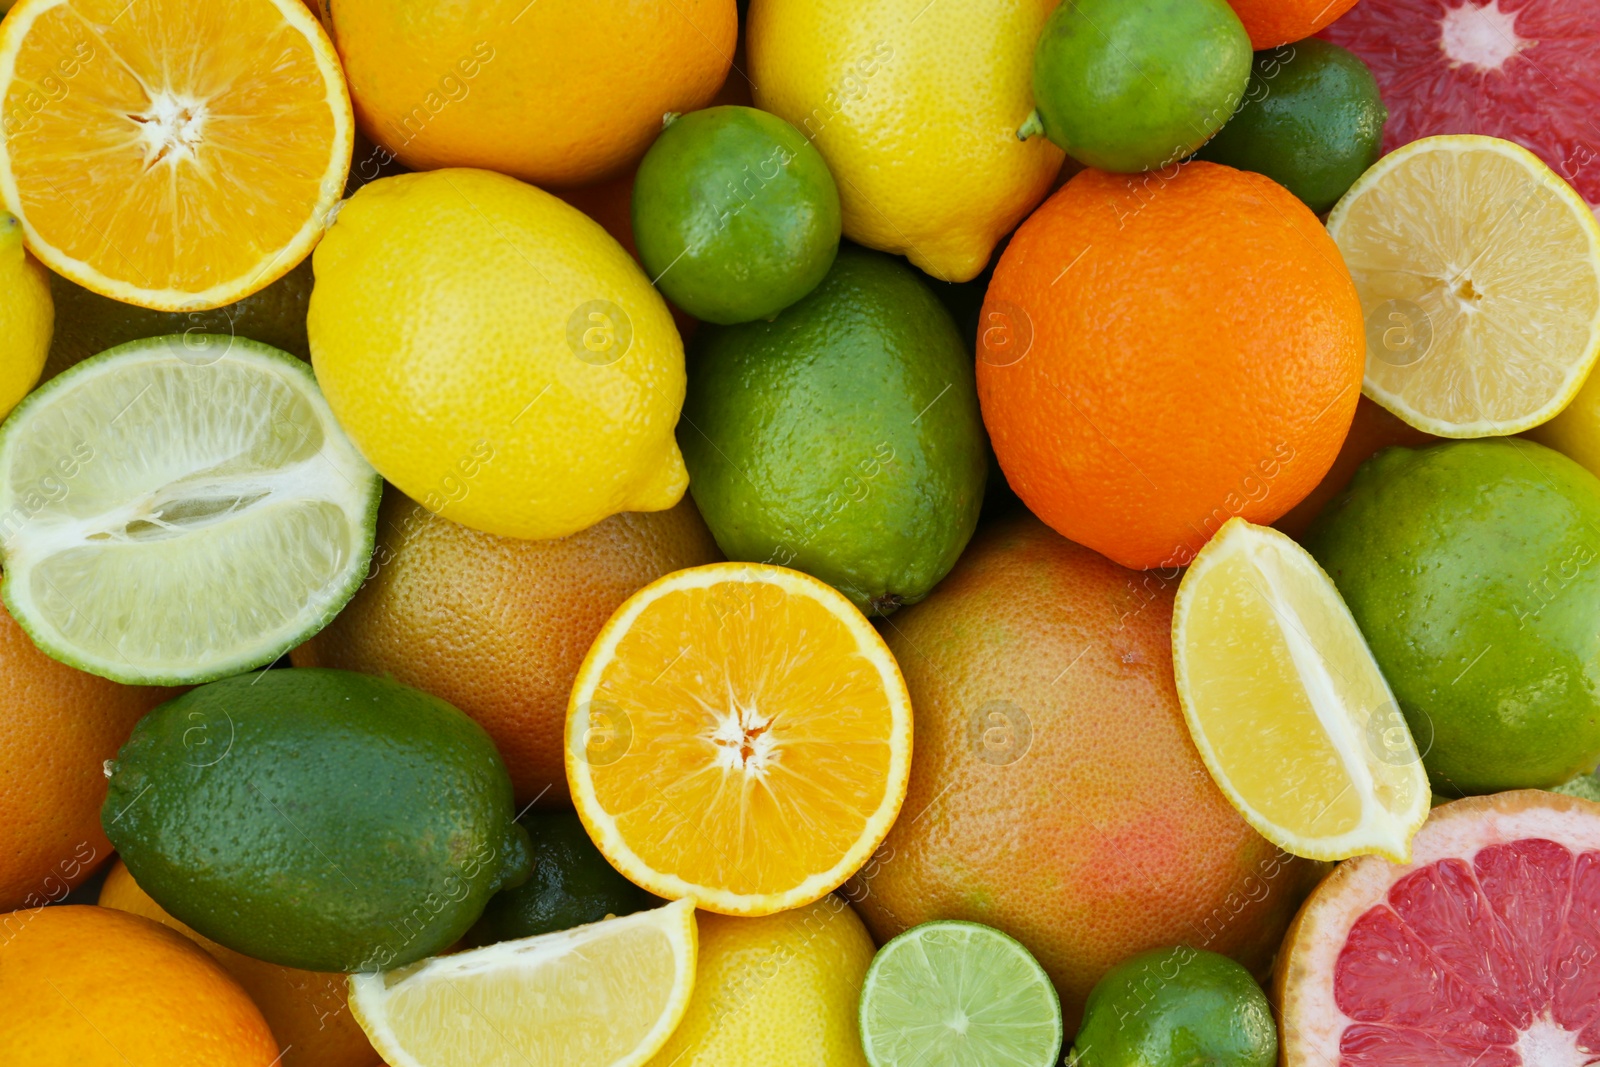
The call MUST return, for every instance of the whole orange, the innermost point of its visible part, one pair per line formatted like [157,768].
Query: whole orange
[555,92]
[58,726]
[1161,352]
[1055,793]
[96,987]
[499,627]
[308,1011]
[1271,23]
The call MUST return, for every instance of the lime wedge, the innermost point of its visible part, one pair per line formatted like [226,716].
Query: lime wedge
[958,994]
[180,509]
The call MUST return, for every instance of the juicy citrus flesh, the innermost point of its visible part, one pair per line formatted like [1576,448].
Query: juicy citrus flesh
[958,994]
[1287,705]
[608,994]
[1479,952]
[168,519]
[1479,275]
[174,155]
[741,735]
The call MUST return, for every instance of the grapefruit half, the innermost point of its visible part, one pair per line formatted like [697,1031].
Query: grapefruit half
[1484,951]
[1525,70]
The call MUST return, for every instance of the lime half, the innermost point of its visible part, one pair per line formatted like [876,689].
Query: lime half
[180,509]
[958,994]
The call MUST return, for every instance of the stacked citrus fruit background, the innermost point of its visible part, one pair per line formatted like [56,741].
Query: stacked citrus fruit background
[909,533]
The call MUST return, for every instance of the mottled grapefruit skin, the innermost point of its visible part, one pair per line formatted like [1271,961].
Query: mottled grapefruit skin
[1107,836]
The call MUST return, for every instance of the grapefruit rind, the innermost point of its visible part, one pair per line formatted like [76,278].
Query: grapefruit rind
[372,994]
[1416,231]
[1332,679]
[273,262]
[602,825]
[1311,1023]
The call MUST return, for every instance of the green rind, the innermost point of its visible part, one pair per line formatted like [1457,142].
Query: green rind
[318,819]
[1473,570]
[872,978]
[13,425]
[843,438]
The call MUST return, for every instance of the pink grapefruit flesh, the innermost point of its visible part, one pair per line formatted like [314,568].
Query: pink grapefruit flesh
[1525,70]
[1484,951]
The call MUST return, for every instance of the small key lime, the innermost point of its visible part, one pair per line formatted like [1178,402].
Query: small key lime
[735,214]
[1311,120]
[1176,1007]
[1127,87]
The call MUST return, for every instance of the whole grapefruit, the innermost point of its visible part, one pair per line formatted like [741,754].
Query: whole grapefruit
[497,626]
[58,726]
[1055,793]
[1161,352]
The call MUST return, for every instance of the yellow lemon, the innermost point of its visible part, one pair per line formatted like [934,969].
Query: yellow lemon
[27,316]
[915,106]
[496,355]
[781,991]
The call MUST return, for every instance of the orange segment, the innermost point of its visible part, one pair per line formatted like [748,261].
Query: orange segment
[738,734]
[176,154]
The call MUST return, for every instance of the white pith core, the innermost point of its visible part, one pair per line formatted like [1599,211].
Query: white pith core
[171,129]
[1547,1044]
[1482,36]
[742,739]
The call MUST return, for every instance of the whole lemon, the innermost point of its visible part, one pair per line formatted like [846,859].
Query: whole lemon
[496,355]
[780,990]
[27,316]
[915,106]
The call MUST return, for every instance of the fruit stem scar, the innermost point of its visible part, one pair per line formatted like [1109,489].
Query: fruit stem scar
[1033,126]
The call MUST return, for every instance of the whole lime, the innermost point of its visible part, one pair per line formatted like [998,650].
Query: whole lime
[571,884]
[1176,1007]
[842,438]
[1311,120]
[734,214]
[1130,86]
[1473,570]
[317,819]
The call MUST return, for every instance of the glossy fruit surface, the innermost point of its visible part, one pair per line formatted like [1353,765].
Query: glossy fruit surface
[843,438]
[97,987]
[1055,793]
[1311,120]
[1128,313]
[562,92]
[319,819]
[498,626]
[735,213]
[1471,567]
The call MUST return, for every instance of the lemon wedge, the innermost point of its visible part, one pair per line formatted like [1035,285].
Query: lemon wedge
[608,994]
[1286,704]
[1478,270]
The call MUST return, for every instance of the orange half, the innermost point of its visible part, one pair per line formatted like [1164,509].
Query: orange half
[176,154]
[739,734]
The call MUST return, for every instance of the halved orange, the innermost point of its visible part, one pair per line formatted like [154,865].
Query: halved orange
[740,735]
[176,154]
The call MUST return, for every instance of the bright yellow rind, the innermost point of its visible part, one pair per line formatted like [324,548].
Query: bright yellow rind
[27,317]
[673,807]
[78,83]
[608,994]
[1286,704]
[1478,270]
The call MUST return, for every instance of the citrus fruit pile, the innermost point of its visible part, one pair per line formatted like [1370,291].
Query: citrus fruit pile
[799,533]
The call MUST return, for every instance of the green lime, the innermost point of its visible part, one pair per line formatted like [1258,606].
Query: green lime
[571,884]
[314,818]
[1473,570]
[958,994]
[1130,86]
[1176,1007]
[1311,120]
[88,323]
[180,509]
[843,438]
[734,214]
